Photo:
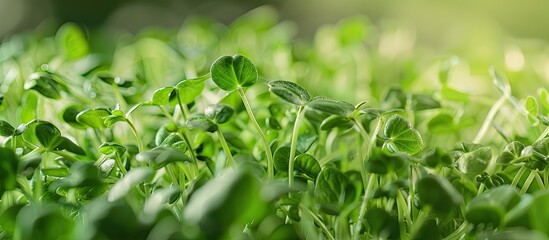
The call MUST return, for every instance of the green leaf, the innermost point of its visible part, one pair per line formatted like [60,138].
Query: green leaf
[437,157]
[69,116]
[161,157]
[93,118]
[6,129]
[381,162]
[402,137]
[67,144]
[474,162]
[189,89]
[308,165]
[282,157]
[46,222]
[230,73]
[331,106]
[381,223]
[543,97]
[202,123]
[229,201]
[511,153]
[491,206]
[82,174]
[56,172]
[8,169]
[48,135]
[46,85]
[334,121]
[219,113]
[531,106]
[72,42]
[438,193]
[156,202]
[126,184]
[453,94]
[161,96]
[305,142]
[539,212]
[290,92]
[110,148]
[500,81]
[272,123]
[330,185]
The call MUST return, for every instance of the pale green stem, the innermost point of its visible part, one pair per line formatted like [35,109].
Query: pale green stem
[140,145]
[270,162]
[518,175]
[293,145]
[543,134]
[119,97]
[371,180]
[489,118]
[226,149]
[317,221]
[528,182]
[191,151]
[183,107]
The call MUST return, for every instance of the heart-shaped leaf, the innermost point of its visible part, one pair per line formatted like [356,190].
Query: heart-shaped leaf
[230,73]
[331,106]
[69,116]
[290,92]
[402,137]
[219,113]
[94,118]
[305,141]
[330,185]
[72,41]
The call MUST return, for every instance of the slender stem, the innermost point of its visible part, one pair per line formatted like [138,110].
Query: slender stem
[119,97]
[191,151]
[528,182]
[66,156]
[270,162]
[372,178]
[183,107]
[317,221]
[539,181]
[489,118]
[422,216]
[403,214]
[120,165]
[460,231]
[226,149]
[140,145]
[293,145]
[543,134]
[518,175]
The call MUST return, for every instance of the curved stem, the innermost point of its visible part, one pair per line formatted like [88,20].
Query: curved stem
[518,175]
[489,118]
[226,148]
[528,182]
[293,145]
[270,162]
[140,145]
[317,221]
[191,151]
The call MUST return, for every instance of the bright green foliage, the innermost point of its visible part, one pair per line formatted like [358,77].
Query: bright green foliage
[133,145]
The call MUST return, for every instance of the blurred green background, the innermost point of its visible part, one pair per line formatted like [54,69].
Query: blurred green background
[442,24]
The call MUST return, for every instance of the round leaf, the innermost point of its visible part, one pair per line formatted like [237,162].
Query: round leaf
[67,144]
[44,83]
[402,137]
[290,92]
[202,123]
[48,135]
[475,162]
[330,185]
[510,153]
[162,96]
[189,89]
[230,73]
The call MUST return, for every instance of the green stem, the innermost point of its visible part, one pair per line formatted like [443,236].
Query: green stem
[460,231]
[489,118]
[293,145]
[119,97]
[226,149]
[528,182]
[191,151]
[538,180]
[183,107]
[518,175]
[372,178]
[66,156]
[403,214]
[543,134]
[140,145]
[270,162]
[317,221]
[120,165]
[422,216]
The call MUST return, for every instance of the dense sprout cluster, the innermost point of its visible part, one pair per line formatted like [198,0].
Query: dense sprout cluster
[216,132]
